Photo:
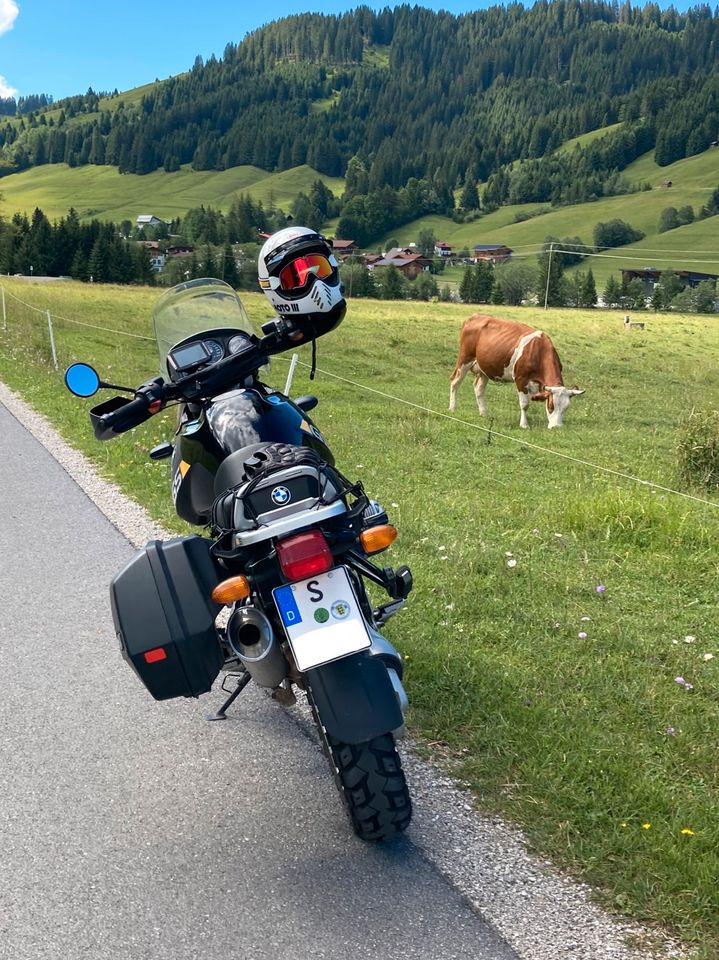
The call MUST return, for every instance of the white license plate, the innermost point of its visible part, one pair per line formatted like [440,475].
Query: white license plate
[322,618]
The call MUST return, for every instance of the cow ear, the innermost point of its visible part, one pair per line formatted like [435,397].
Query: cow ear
[576,392]
[542,395]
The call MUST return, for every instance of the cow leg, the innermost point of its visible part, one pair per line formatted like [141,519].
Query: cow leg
[458,376]
[480,383]
[523,405]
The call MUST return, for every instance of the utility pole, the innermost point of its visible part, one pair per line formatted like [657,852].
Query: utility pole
[549,273]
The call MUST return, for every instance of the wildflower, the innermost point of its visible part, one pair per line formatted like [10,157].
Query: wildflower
[535,531]
[585,619]
[670,732]
[687,832]
[680,680]
[646,826]
[557,626]
[449,606]
[582,635]
[395,504]
[406,657]
[508,553]
[688,686]
[601,588]
[624,824]
[360,466]
[558,535]
[442,548]
[511,563]
[708,656]
[689,638]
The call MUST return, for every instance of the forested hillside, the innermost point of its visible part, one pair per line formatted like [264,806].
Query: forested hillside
[409,94]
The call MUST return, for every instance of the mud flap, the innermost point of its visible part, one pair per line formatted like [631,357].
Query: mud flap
[355,698]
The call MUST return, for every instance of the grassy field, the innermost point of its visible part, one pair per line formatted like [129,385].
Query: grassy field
[555,701]
[104,193]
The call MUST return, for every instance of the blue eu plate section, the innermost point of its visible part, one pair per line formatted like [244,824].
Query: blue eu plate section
[287,606]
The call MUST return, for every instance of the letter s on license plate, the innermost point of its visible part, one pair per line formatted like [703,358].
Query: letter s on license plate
[322,618]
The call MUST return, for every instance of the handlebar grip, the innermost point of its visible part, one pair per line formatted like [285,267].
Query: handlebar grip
[118,415]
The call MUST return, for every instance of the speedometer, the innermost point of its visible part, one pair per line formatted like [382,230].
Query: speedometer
[216,351]
[238,343]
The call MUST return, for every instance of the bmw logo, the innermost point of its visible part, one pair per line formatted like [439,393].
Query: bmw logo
[281,496]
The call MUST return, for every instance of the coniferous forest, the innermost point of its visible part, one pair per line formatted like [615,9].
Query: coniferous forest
[411,105]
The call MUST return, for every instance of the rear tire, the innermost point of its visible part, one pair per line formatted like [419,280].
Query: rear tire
[371,782]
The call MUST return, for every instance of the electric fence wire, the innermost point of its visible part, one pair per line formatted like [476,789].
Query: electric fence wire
[445,416]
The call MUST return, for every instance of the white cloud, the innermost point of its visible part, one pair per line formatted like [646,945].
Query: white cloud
[9,11]
[6,90]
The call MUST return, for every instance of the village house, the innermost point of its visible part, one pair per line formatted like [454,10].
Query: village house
[149,220]
[442,249]
[344,248]
[496,252]
[650,277]
[406,260]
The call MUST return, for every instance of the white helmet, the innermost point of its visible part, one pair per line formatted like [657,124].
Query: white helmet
[299,275]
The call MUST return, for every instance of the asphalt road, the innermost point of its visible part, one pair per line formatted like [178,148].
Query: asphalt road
[133,829]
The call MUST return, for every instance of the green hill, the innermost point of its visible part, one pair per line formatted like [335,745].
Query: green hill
[105,194]
[695,246]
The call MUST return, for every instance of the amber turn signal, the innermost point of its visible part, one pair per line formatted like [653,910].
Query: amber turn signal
[236,588]
[378,538]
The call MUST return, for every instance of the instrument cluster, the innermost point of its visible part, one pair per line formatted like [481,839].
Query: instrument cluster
[191,355]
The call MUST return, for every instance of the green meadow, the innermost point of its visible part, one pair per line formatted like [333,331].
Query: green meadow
[105,194]
[564,581]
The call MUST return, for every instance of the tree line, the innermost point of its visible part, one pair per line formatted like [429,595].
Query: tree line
[497,86]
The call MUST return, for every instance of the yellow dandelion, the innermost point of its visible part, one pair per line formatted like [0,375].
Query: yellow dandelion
[687,832]
[646,826]
[624,824]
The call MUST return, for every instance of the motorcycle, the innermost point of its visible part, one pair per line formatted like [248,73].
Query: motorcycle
[287,557]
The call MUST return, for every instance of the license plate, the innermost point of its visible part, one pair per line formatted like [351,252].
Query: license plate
[322,618]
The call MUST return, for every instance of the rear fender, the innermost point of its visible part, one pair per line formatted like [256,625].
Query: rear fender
[355,698]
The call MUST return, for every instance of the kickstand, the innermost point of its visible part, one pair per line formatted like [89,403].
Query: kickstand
[222,712]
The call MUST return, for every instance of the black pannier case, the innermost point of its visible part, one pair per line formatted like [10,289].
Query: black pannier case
[162,607]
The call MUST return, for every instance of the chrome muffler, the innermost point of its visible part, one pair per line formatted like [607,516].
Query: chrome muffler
[252,639]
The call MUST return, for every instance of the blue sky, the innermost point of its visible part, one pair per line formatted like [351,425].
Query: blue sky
[61,48]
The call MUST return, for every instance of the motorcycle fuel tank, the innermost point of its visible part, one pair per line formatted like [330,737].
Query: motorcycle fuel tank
[237,419]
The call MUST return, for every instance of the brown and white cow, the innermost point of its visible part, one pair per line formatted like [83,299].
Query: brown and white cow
[503,350]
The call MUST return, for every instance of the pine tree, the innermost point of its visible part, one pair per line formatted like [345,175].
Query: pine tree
[588,295]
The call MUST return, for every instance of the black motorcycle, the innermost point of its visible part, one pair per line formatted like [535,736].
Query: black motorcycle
[287,556]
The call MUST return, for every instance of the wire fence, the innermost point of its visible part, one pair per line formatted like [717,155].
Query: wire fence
[43,322]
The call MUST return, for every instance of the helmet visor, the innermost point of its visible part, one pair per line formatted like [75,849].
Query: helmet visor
[297,274]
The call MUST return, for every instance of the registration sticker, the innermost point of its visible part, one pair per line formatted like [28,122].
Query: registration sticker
[322,618]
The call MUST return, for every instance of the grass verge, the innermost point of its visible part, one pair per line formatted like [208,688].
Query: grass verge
[557,701]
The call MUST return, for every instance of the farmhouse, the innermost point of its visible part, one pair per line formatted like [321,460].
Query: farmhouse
[650,277]
[442,249]
[148,220]
[406,260]
[496,252]
[344,248]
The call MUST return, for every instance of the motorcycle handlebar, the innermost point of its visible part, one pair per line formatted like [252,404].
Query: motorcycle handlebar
[119,414]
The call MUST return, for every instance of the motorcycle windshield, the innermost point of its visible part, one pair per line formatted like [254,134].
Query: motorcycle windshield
[194,307]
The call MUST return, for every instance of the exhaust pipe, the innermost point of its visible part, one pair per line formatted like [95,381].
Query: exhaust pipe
[251,637]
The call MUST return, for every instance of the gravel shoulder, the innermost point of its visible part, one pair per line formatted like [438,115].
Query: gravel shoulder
[540,914]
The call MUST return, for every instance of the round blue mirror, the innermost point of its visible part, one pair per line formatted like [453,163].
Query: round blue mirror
[82,380]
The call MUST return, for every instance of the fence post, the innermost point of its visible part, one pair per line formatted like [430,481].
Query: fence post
[291,373]
[4,311]
[52,339]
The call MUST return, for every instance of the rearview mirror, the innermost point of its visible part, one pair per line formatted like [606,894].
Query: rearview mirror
[82,380]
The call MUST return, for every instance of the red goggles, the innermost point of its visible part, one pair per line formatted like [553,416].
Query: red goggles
[296,274]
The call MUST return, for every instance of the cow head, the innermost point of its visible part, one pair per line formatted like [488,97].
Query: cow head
[557,400]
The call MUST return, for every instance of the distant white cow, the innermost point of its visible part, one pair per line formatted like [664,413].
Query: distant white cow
[502,350]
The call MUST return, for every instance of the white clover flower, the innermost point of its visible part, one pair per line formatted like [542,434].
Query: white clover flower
[511,563]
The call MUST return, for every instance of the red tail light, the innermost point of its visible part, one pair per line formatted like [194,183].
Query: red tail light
[304,555]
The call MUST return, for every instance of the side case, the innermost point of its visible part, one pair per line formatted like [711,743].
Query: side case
[165,619]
